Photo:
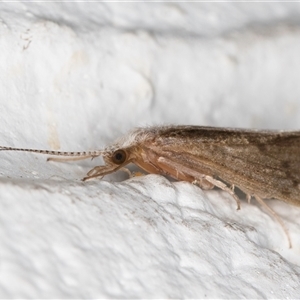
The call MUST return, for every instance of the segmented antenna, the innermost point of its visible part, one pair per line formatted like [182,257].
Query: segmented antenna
[56,153]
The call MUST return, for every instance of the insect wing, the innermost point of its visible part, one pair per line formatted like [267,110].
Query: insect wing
[262,163]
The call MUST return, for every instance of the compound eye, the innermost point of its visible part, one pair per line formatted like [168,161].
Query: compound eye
[119,157]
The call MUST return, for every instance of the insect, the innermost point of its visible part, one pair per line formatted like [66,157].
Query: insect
[262,164]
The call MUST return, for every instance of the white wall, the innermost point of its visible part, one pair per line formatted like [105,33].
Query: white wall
[74,76]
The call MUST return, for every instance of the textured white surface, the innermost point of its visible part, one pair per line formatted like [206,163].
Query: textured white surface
[75,76]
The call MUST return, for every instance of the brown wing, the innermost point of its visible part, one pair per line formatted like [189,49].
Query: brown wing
[262,163]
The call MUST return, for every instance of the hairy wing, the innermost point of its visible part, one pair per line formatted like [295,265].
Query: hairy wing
[266,164]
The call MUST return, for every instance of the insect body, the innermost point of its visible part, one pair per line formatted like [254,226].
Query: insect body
[263,164]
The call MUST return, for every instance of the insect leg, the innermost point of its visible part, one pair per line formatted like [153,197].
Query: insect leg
[204,184]
[187,174]
[100,171]
[278,219]
[224,187]
[248,197]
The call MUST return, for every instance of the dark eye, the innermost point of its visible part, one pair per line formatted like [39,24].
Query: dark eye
[119,157]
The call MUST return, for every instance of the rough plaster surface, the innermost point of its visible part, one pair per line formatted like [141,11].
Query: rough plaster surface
[75,76]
